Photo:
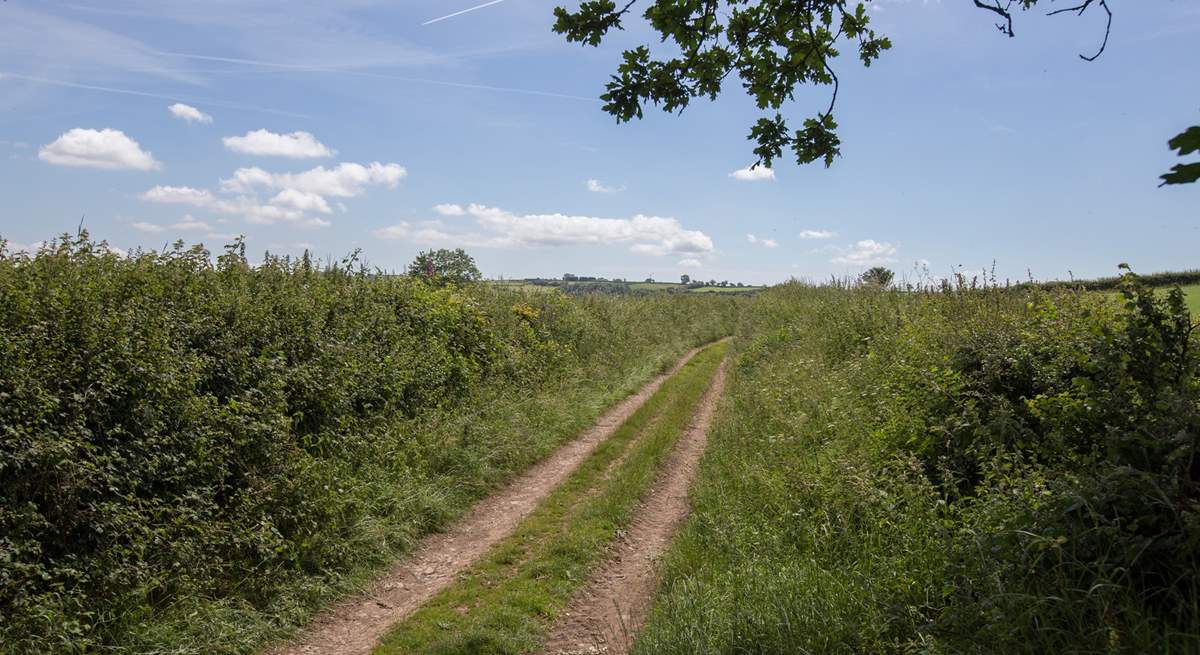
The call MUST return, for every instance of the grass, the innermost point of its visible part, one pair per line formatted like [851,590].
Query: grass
[1191,294]
[918,473]
[504,603]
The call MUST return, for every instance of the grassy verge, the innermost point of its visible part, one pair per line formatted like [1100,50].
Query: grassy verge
[503,603]
[976,472]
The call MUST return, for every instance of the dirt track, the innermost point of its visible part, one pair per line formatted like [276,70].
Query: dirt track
[355,626]
[610,610]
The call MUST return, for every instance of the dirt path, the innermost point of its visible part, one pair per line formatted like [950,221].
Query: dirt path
[606,615]
[355,626]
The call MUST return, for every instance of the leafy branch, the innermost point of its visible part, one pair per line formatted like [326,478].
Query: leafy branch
[773,47]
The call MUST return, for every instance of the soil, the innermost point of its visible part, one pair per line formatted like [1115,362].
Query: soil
[607,614]
[355,626]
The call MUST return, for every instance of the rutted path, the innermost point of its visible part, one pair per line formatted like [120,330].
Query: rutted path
[606,615]
[355,626]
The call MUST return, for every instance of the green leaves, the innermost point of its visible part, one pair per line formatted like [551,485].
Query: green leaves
[442,266]
[817,140]
[1186,142]
[774,47]
[590,23]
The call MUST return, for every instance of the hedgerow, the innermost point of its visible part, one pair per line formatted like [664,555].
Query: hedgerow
[195,453]
[968,471]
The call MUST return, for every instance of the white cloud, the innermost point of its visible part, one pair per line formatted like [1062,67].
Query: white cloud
[297,247]
[446,209]
[107,149]
[689,263]
[301,200]
[182,195]
[766,243]
[498,228]
[247,206]
[30,248]
[189,114]
[299,195]
[867,252]
[189,223]
[432,232]
[396,232]
[817,234]
[297,145]
[596,186]
[756,174]
[344,181]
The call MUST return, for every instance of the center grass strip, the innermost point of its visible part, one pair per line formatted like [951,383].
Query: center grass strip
[502,605]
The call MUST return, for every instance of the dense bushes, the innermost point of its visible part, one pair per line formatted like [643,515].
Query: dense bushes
[1165,279]
[970,471]
[193,454]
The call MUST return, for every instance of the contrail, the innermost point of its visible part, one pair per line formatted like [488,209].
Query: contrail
[464,11]
[224,104]
[302,68]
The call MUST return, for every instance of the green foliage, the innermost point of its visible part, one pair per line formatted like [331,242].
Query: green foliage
[442,267]
[877,276]
[971,471]
[194,455]
[1186,142]
[1164,279]
[774,47]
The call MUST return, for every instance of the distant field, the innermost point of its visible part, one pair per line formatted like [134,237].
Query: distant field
[1192,294]
[520,285]
[724,289]
[528,285]
[658,286]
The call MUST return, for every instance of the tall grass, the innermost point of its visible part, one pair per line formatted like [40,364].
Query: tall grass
[195,454]
[982,471]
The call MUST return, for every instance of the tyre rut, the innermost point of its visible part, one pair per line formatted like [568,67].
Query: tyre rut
[355,626]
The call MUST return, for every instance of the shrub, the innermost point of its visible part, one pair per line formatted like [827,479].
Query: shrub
[194,454]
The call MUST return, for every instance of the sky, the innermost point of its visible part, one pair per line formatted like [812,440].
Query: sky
[394,127]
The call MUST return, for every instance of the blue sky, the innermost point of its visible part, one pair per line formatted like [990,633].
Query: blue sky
[335,126]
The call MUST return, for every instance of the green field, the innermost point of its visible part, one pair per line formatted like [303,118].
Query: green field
[608,286]
[1191,293]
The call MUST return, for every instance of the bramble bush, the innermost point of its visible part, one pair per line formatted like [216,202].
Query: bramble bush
[194,453]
